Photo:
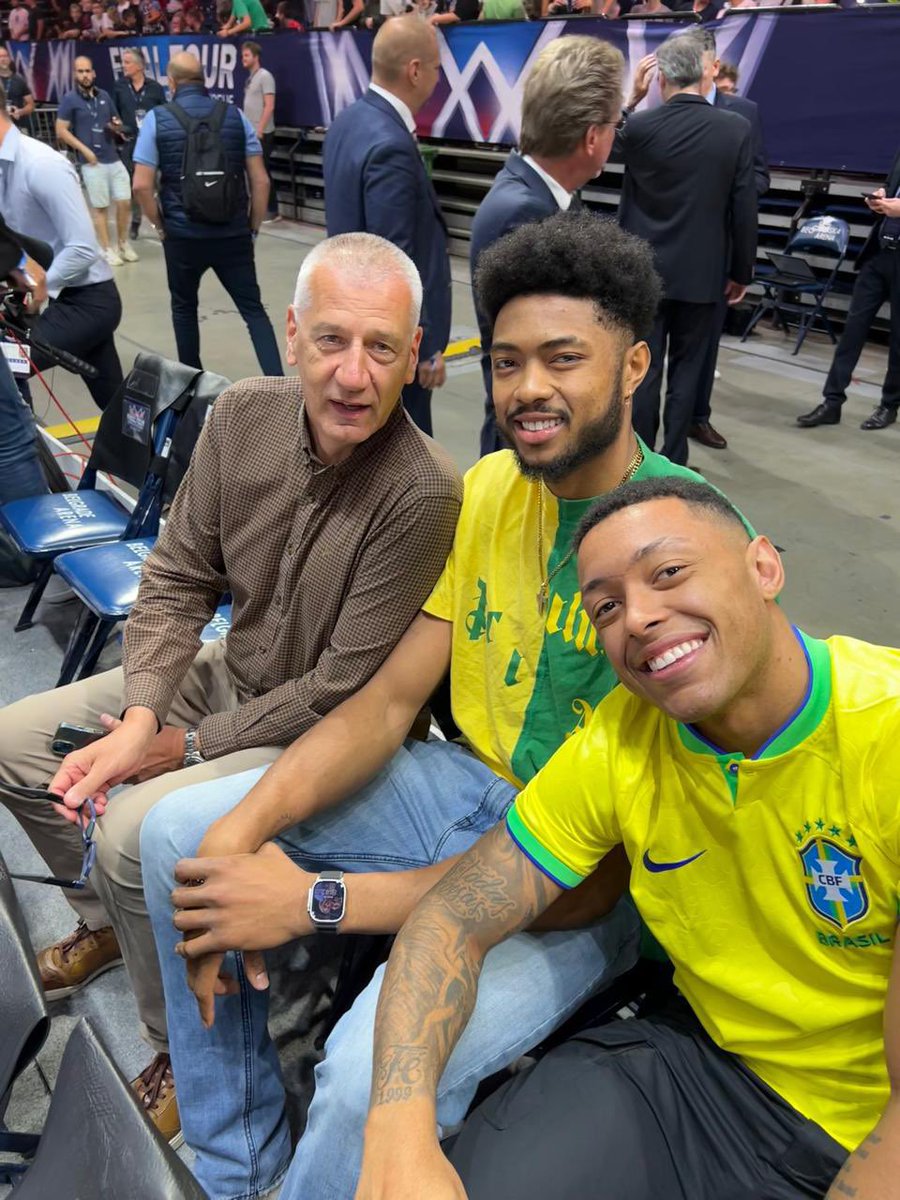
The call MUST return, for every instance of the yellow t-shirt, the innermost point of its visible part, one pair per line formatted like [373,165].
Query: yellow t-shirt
[772,882]
[520,682]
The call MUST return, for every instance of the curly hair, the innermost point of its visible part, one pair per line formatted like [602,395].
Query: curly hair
[577,255]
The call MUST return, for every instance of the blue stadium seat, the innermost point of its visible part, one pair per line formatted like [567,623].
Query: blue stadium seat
[219,624]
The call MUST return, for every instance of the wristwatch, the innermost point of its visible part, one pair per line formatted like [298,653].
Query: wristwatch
[327,901]
[192,755]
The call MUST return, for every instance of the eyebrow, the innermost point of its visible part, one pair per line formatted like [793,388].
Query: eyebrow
[378,335]
[551,344]
[665,542]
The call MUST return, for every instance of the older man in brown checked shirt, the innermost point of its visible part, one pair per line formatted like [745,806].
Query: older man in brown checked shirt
[328,516]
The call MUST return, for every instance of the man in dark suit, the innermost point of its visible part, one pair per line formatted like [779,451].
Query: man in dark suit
[688,190]
[879,280]
[570,105]
[376,182]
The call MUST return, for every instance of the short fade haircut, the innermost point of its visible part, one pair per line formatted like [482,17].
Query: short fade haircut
[576,82]
[576,255]
[135,53]
[366,256]
[666,487]
[728,70]
[254,48]
[680,59]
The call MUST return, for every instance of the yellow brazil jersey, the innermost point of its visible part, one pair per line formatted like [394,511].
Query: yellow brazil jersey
[521,682]
[771,882]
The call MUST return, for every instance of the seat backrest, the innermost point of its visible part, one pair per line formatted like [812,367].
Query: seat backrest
[97,1141]
[23,1009]
[207,390]
[821,235]
[124,442]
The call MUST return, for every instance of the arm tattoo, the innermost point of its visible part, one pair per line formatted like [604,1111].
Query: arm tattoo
[842,1185]
[431,982]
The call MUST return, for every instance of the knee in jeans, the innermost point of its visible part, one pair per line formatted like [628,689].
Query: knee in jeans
[166,836]
[343,1083]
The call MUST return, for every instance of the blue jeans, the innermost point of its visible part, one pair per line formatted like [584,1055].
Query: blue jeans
[431,801]
[20,468]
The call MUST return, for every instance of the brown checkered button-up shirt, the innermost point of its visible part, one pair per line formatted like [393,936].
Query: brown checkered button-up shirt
[327,565]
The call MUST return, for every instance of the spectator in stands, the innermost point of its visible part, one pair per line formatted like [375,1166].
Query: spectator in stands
[247,16]
[176,23]
[706,10]
[42,194]
[193,20]
[37,20]
[689,190]
[284,21]
[87,122]
[259,109]
[570,299]
[74,25]
[154,21]
[19,100]
[131,20]
[350,14]
[781,1052]
[727,79]
[17,22]
[100,22]
[135,94]
[191,246]
[375,180]
[878,281]
[329,517]
[570,104]
[559,8]
[648,8]
[503,10]
[452,12]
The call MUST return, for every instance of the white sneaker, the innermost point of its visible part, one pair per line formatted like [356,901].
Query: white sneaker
[112,257]
[127,254]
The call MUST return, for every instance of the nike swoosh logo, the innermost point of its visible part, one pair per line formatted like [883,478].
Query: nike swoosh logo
[657,867]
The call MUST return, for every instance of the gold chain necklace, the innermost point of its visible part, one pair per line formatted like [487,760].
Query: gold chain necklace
[544,591]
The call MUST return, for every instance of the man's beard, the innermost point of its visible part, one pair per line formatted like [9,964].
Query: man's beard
[594,439]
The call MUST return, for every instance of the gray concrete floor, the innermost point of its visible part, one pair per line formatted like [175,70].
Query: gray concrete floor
[829,497]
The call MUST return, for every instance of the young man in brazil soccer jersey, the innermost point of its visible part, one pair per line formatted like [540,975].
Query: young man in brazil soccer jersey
[751,773]
[571,300]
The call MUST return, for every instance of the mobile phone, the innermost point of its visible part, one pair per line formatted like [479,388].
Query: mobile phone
[869,196]
[70,737]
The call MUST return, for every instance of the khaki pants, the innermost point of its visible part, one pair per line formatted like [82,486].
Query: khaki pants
[114,895]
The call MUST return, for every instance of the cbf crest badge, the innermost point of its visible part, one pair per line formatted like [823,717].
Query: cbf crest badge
[834,882]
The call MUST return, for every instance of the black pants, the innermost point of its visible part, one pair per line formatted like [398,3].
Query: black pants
[82,320]
[642,1110]
[686,330]
[231,258]
[879,280]
[417,402]
[267,141]
[703,402]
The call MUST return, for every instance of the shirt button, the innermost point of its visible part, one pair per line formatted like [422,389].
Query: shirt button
[733,768]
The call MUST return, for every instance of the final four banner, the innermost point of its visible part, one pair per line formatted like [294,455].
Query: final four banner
[825,82]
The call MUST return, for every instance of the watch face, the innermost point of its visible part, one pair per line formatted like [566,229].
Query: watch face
[327,901]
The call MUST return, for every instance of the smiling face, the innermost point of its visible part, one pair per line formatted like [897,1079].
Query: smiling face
[354,346]
[560,379]
[682,602]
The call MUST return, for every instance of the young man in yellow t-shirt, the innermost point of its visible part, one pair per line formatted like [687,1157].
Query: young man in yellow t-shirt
[570,299]
[751,773]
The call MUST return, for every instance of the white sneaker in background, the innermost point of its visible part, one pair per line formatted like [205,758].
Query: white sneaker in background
[112,257]
[127,254]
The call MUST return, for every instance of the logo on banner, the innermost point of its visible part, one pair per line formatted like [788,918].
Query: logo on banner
[834,882]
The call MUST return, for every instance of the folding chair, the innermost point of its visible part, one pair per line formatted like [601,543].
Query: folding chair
[134,429]
[97,1141]
[106,578]
[794,274]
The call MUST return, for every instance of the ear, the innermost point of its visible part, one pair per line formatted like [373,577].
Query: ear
[635,366]
[766,566]
[413,356]
[291,353]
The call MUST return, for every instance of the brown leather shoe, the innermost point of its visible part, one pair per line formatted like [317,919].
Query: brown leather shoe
[703,432]
[155,1088]
[72,963]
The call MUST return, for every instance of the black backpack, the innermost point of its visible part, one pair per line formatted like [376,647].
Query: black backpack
[211,191]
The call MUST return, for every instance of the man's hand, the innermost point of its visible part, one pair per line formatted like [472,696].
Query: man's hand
[105,763]
[643,77]
[165,753]
[735,292]
[397,1166]
[36,292]
[89,157]
[884,206]
[433,372]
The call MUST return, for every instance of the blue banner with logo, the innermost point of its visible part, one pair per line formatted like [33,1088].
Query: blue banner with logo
[825,82]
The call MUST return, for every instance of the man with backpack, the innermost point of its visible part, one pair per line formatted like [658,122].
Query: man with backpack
[206,154]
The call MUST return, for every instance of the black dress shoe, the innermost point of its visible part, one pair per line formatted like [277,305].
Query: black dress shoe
[822,414]
[135,229]
[703,432]
[880,418]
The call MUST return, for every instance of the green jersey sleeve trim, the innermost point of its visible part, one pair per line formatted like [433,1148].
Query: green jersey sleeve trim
[551,866]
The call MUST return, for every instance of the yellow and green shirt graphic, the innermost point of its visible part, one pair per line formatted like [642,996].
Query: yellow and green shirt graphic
[521,683]
[771,882]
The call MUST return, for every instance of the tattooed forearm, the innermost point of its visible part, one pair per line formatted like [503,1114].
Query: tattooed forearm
[848,1180]
[431,982]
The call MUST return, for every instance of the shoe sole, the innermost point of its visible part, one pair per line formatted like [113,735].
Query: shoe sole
[62,993]
[177,1141]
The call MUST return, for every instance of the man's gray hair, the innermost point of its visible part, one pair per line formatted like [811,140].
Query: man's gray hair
[680,59]
[133,52]
[370,258]
[576,82]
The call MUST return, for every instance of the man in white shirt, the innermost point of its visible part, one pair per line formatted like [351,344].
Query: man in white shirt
[259,109]
[18,22]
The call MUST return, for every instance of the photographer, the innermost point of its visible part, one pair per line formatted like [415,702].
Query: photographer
[42,196]
[88,122]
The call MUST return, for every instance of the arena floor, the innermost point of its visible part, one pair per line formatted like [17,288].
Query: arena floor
[829,497]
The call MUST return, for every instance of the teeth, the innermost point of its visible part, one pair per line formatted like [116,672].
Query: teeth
[673,655]
[536,426]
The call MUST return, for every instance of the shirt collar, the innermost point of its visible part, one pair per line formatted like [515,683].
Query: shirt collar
[397,105]
[799,726]
[558,192]
[10,147]
[711,95]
